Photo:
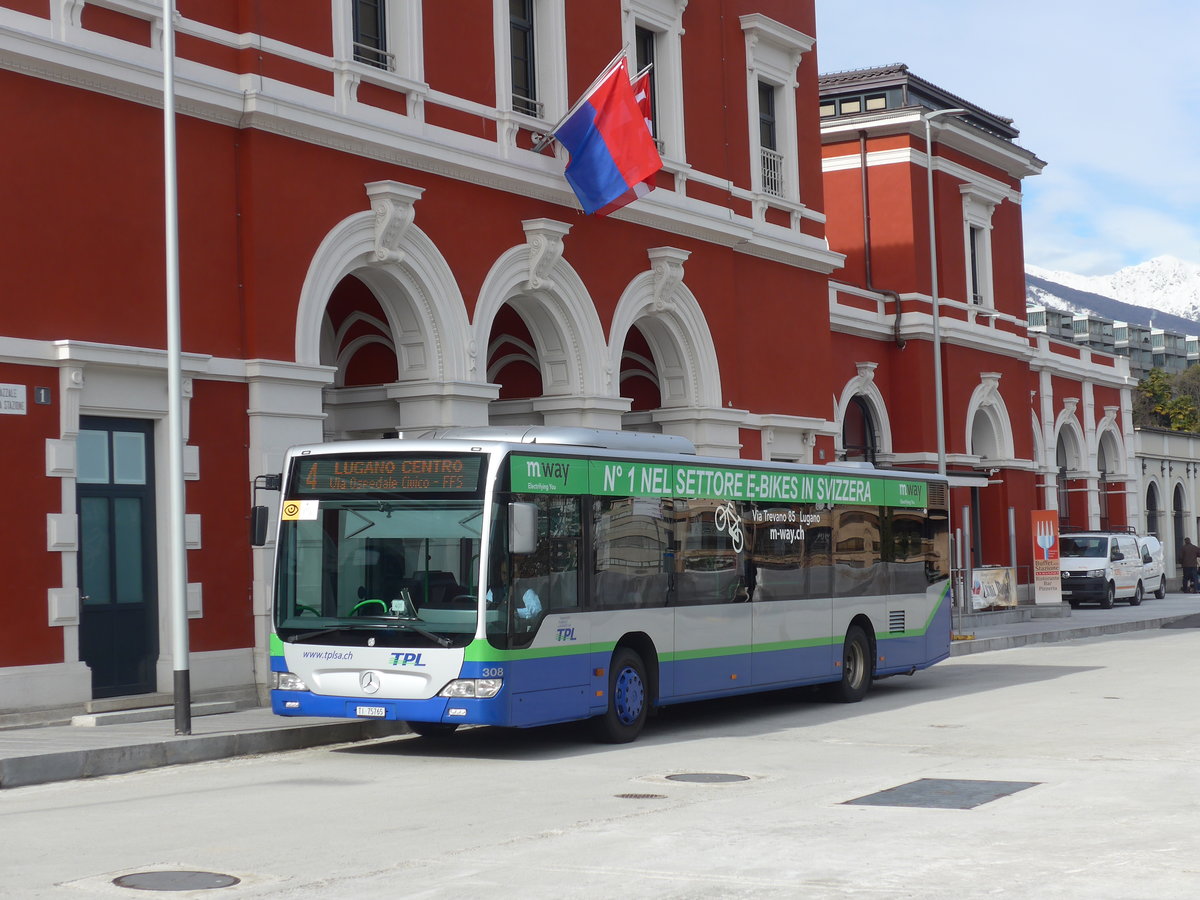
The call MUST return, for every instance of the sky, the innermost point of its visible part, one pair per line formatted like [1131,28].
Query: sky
[1107,93]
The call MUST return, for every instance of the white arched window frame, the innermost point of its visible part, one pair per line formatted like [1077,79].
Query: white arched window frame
[979,203]
[664,18]
[773,53]
[549,62]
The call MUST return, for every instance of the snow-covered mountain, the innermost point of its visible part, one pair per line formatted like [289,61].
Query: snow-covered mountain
[1164,292]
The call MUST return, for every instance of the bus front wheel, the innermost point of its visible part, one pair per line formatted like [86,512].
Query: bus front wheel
[856,668]
[628,700]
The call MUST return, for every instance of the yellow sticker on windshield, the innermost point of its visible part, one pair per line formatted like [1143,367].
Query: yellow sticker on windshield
[303,510]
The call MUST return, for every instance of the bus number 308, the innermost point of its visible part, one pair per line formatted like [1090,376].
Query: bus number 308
[493,673]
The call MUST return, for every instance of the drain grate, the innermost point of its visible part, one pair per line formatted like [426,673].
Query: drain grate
[641,796]
[708,777]
[943,793]
[175,881]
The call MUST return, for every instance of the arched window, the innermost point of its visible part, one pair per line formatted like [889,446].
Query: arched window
[858,431]
[1064,495]
[1152,509]
[1178,514]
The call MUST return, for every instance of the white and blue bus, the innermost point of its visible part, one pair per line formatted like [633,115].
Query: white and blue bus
[526,576]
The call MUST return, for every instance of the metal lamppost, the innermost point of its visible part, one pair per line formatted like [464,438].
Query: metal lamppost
[933,277]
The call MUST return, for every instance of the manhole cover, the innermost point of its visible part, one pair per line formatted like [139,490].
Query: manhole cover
[175,881]
[641,796]
[708,777]
[943,793]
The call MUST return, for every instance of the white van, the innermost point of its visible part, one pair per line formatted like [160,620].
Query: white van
[1154,575]
[1100,567]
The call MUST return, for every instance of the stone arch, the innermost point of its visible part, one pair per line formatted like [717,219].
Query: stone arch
[863,386]
[405,272]
[1154,509]
[1110,450]
[555,305]
[1069,439]
[1039,442]
[989,432]
[668,314]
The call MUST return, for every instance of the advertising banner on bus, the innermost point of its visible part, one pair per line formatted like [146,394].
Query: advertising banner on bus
[545,475]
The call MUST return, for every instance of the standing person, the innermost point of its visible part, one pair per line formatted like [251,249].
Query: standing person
[1189,553]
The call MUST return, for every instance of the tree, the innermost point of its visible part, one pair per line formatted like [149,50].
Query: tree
[1165,402]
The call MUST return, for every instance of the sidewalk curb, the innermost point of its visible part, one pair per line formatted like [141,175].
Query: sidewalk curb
[1007,642]
[70,765]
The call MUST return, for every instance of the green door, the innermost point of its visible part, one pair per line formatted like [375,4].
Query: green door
[118,628]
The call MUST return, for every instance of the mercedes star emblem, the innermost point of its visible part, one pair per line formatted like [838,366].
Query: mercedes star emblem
[369,681]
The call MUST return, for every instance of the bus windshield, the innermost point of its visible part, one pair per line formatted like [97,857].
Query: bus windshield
[392,572]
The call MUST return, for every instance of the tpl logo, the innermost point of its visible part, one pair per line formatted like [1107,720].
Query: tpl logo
[566,634]
[407,659]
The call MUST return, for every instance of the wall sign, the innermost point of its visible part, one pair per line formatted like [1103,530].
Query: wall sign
[12,400]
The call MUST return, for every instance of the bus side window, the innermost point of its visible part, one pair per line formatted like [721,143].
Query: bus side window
[633,544]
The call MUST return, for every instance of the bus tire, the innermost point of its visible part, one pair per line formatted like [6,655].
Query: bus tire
[432,729]
[856,668]
[628,699]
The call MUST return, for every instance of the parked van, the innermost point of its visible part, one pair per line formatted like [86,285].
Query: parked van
[1154,576]
[1101,567]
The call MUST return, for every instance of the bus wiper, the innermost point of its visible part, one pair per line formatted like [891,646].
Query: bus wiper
[429,635]
[436,638]
[303,636]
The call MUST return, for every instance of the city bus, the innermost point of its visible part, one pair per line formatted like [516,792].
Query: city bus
[526,576]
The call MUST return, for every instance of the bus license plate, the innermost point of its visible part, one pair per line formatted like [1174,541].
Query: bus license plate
[370,712]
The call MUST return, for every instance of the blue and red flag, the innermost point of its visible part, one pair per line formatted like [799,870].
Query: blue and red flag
[613,154]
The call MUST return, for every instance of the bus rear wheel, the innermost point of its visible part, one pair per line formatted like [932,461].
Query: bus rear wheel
[628,700]
[432,729]
[856,668]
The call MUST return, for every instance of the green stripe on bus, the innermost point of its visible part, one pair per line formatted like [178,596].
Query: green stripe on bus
[276,645]
[482,651]
[626,478]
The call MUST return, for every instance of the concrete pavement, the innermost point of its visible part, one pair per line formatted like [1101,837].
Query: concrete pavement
[119,742]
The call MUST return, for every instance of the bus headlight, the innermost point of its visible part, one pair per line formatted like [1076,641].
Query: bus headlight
[479,688]
[286,681]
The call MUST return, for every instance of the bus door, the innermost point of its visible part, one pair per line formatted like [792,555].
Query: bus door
[713,621]
[550,680]
[791,590]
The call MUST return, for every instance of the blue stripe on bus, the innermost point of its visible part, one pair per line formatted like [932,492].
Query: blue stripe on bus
[581,680]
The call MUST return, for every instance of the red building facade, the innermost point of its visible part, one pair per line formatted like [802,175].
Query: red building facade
[369,246]
[1029,423]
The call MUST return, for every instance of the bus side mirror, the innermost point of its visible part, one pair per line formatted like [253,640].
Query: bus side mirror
[260,514]
[258,525]
[522,527]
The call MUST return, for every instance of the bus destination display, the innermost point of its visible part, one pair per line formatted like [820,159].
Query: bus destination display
[387,474]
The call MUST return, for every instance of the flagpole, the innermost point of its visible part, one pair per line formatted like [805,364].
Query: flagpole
[549,136]
[177,540]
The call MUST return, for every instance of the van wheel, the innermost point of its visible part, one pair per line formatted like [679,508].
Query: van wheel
[1162,588]
[1110,595]
[1136,599]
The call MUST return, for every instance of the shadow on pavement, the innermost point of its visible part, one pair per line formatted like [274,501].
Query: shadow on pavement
[750,715]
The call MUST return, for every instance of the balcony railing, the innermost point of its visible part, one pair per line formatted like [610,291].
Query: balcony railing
[373,56]
[526,106]
[772,172]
